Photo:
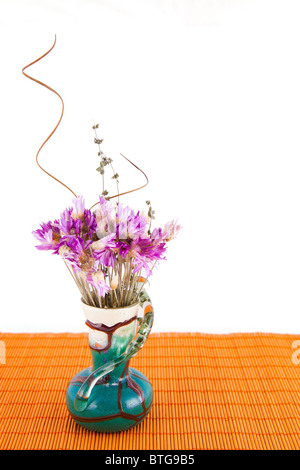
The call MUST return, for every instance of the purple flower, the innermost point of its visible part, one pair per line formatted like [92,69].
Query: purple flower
[96,279]
[105,250]
[129,224]
[105,218]
[68,225]
[48,235]
[89,224]
[171,230]
[145,252]
[78,210]
[76,251]
[158,235]
[123,248]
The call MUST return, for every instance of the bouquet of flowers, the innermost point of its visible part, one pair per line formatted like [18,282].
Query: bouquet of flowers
[111,251]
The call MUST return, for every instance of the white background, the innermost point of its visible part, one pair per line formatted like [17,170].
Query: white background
[204,96]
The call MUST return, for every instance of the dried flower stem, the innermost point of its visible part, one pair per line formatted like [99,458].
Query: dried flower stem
[81,290]
[104,159]
[143,284]
[86,288]
[133,284]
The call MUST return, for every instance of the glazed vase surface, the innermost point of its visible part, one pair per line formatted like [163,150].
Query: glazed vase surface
[111,396]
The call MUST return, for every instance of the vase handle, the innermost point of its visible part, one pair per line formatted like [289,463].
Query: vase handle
[145,325]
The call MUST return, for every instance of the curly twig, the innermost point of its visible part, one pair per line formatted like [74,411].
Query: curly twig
[62,112]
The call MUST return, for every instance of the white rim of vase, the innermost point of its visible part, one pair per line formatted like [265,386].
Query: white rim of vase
[110,316]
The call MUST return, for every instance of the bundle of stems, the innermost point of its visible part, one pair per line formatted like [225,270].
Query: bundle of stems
[125,285]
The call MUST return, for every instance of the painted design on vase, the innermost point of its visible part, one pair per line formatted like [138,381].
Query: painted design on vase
[110,396]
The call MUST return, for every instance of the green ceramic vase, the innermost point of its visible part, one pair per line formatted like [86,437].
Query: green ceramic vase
[111,396]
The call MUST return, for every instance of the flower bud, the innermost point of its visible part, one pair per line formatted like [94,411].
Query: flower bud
[98,245]
[98,276]
[63,250]
[114,282]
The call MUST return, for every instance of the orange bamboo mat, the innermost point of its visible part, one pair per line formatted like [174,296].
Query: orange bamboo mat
[238,391]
